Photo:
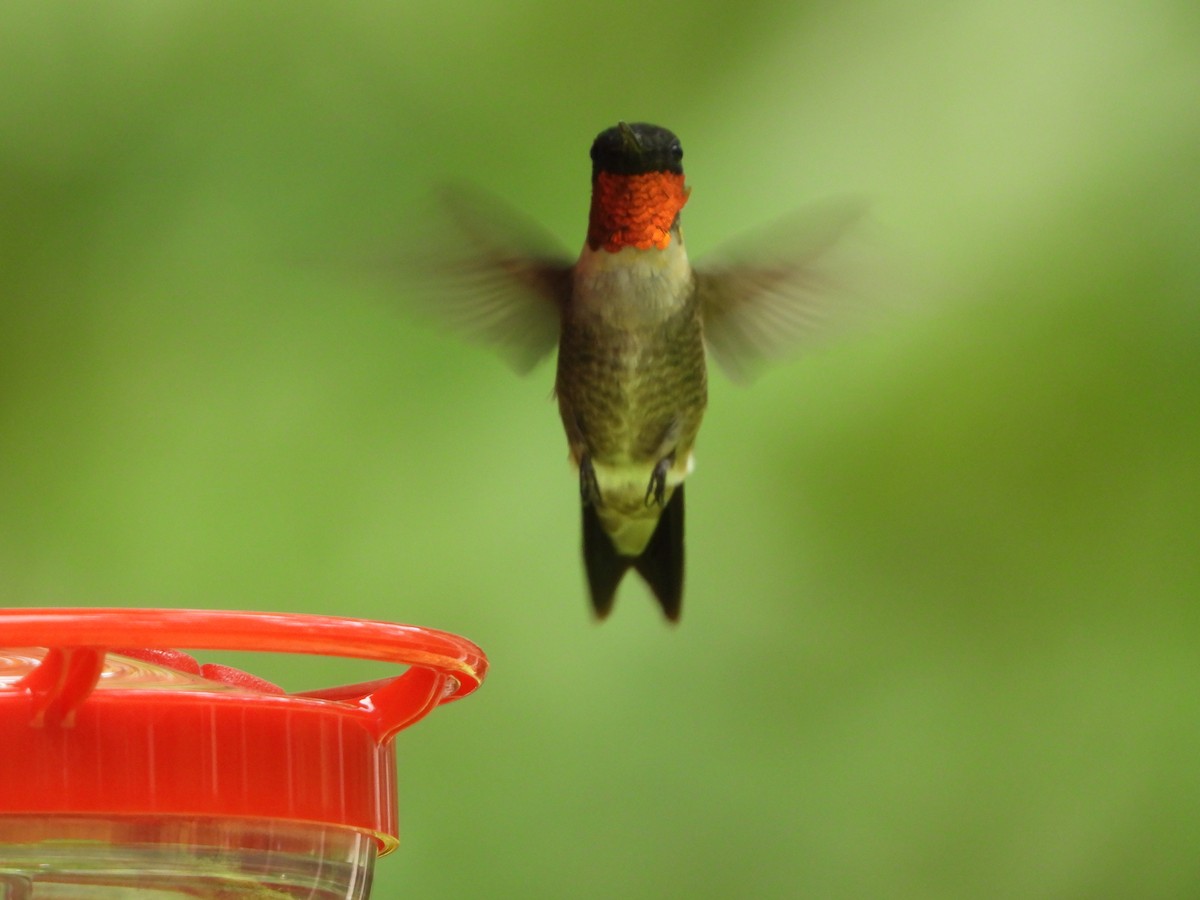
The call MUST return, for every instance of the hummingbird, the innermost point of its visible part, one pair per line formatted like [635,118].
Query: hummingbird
[634,322]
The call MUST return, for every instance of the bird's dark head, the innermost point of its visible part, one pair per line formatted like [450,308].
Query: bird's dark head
[636,149]
[637,188]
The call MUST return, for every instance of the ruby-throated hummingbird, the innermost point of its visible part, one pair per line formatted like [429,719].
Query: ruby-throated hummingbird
[632,319]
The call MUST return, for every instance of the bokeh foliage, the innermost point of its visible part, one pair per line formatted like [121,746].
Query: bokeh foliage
[941,632]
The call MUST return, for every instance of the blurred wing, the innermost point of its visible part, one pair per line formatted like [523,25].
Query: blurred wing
[777,290]
[492,275]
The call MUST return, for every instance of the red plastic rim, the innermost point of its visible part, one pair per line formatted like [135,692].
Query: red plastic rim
[73,740]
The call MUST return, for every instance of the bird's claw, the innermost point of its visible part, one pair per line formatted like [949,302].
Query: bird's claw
[656,491]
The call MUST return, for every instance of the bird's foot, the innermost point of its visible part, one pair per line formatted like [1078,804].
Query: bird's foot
[589,485]
[657,489]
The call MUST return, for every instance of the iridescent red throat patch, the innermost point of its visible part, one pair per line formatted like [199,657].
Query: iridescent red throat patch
[634,210]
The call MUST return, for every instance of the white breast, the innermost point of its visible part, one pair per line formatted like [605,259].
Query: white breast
[632,283]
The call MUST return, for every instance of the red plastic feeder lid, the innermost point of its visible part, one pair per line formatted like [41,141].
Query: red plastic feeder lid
[88,729]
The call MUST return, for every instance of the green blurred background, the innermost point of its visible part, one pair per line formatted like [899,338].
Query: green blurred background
[941,632]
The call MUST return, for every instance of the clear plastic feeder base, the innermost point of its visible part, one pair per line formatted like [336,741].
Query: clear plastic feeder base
[170,858]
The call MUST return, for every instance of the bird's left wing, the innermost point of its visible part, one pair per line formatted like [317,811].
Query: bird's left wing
[779,289]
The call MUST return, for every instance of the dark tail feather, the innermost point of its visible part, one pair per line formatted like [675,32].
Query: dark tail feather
[605,567]
[661,563]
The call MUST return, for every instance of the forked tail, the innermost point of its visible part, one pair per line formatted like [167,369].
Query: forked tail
[661,563]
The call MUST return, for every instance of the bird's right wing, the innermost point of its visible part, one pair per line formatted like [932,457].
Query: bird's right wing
[491,274]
